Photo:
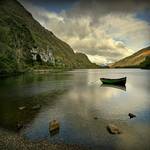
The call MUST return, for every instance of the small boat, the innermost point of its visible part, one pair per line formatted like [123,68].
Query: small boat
[119,81]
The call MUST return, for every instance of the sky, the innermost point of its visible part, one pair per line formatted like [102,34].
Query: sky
[105,30]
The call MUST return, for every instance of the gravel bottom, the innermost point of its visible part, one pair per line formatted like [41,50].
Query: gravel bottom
[12,141]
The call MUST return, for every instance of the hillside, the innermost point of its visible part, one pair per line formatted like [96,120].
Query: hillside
[25,44]
[140,59]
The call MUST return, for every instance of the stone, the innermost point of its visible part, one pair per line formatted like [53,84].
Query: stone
[38,106]
[54,125]
[22,108]
[19,126]
[113,129]
[95,118]
[131,115]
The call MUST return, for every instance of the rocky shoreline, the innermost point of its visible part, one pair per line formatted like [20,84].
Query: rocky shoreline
[13,141]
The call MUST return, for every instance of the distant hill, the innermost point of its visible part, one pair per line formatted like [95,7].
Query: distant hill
[140,59]
[24,43]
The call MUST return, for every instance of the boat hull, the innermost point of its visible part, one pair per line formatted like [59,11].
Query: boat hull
[120,81]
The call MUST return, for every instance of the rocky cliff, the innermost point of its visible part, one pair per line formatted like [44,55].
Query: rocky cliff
[25,44]
[140,59]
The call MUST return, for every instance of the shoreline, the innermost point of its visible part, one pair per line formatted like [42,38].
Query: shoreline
[13,141]
[6,75]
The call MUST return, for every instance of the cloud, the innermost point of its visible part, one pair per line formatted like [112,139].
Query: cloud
[105,31]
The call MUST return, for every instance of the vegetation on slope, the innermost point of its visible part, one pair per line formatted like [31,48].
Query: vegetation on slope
[146,63]
[24,43]
[136,60]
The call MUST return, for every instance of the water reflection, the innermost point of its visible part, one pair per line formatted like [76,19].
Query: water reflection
[121,87]
[74,99]
[53,133]
[27,91]
[11,116]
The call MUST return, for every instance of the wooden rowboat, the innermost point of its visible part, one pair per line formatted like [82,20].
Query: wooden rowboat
[119,81]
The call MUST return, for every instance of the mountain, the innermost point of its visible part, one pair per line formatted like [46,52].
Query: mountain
[140,59]
[25,44]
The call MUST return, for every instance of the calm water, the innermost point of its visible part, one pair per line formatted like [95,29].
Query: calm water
[74,98]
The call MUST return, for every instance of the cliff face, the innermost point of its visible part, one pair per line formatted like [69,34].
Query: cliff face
[24,43]
[137,60]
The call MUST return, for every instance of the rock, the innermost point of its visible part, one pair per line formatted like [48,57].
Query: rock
[131,115]
[22,108]
[38,106]
[95,118]
[19,126]
[54,125]
[54,132]
[113,129]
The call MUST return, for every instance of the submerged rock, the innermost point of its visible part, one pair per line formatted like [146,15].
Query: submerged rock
[19,126]
[38,106]
[54,132]
[54,126]
[22,107]
[131,115]
[95,118]
[113,129]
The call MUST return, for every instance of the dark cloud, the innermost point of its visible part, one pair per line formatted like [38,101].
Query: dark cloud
[90,1]
[48,4]
[53,5]
[103,7]
[50,1]
[105,30]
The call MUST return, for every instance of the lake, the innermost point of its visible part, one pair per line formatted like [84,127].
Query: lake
[74,98]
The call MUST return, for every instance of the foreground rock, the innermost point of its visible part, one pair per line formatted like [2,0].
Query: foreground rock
[54,125]
[38,106]
[22,107]
[113,129]
[19,126]
[131,115]
[95,118]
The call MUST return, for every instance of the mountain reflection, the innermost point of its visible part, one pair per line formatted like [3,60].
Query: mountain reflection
[75,98]
[28,91]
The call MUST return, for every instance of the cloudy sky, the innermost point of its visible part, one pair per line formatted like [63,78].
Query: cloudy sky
[105,30]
